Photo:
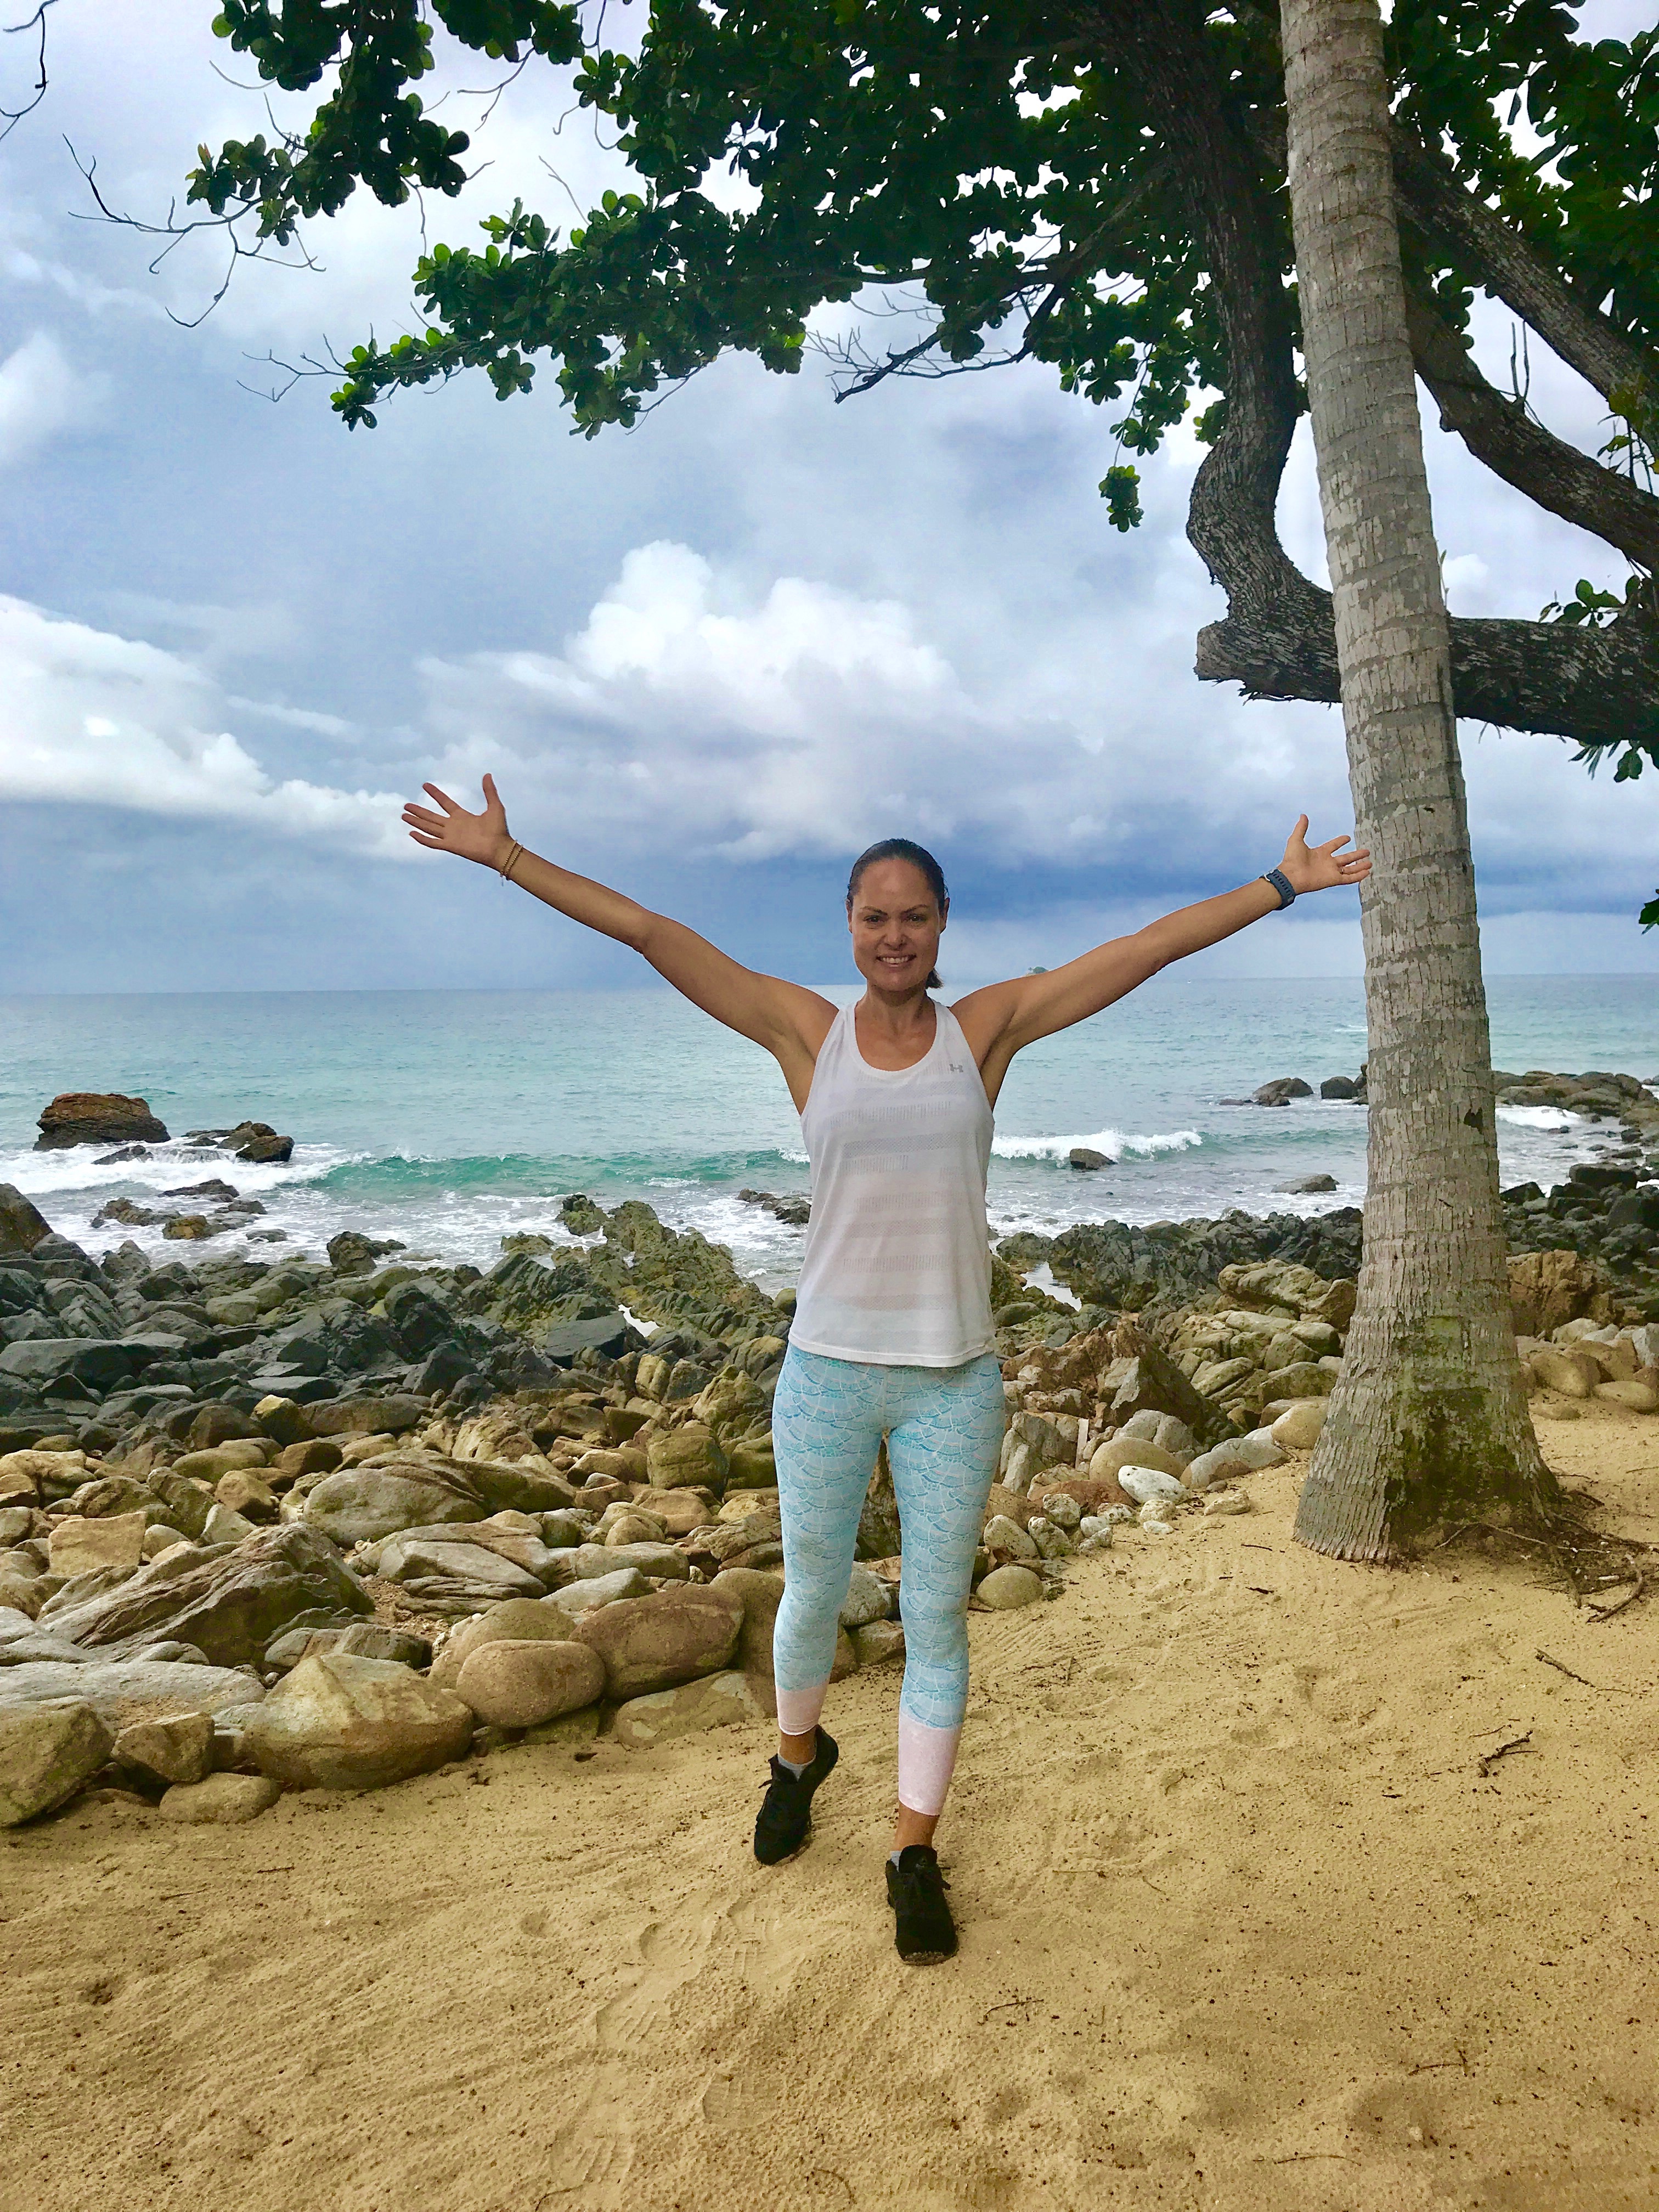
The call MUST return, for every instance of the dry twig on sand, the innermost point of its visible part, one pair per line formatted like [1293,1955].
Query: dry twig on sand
[1488,1760]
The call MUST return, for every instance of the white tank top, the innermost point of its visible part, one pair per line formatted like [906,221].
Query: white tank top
[897,1269]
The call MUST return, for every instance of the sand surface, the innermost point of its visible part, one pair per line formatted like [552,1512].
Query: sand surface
[1243,1925]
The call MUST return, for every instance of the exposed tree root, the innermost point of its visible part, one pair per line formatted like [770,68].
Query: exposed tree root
[1593,1563]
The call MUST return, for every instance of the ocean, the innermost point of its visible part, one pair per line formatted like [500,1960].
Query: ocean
[449,1119]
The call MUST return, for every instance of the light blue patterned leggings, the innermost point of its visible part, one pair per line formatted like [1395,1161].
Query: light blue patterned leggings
[943,1428]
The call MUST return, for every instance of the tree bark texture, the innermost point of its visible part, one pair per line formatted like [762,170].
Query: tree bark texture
[1429,1419]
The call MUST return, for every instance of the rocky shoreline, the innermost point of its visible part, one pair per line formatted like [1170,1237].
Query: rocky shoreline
[282,1523]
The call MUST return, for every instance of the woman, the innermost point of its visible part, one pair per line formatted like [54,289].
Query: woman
[892,1336]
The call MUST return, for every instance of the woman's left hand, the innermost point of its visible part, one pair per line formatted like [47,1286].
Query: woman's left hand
[1321,867]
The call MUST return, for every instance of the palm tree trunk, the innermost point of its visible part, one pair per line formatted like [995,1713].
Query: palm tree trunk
[1429,1420]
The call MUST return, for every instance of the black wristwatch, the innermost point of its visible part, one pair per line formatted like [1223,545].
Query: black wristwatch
[1281,883]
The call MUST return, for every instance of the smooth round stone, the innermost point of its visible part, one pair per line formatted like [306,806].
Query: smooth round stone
[1006,1588]
[222,1801]
[1298,1426]
[522,1684]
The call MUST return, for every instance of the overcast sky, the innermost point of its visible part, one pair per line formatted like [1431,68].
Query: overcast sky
[707,660]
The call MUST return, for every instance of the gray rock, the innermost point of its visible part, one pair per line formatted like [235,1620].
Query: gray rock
[1307,1185]
[479,1567]
[1051,1542]
[643,1722]
[582,1597]
[868,1598]
[339,1722]
[1063,1511]
[1150,1484]
[1238,1455]
[1003,1538]
[230,1603]
[101,1364]
[46,1753]
[878,1642]
[1281,1091]
[40,1644]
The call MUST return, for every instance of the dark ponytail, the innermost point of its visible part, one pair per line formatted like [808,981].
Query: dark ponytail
[901,849]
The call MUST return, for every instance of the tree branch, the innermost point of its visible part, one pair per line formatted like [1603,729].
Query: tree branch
[1499,431]
[1597,687]
[1481,246]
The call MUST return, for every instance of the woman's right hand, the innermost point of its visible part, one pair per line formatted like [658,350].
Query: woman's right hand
[482,837]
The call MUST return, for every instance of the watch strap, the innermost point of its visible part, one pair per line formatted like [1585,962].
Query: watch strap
[1282,884]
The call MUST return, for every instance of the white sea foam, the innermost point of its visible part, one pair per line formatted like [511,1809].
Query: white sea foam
[1112,1142]
[1542,1117]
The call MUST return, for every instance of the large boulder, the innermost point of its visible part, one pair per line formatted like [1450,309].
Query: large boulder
[1549,1288]
[178,1748]
[513,1620]
[1152,1382]
[760,1591]
[230,1605]
[365,1416]
[79,1547]
[123,1691]
[652,1643]
[686,1458]
[47,1754]
[644,1722]
[360,1505]
[22,1225]
[338,1722]
[452,1572]
[102,1363]
[98,1117]
[1282,1283]
[513,1684]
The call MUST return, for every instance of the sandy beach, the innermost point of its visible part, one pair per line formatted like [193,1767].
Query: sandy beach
[1244,1924]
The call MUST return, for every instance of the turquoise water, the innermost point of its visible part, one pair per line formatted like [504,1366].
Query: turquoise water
[449,1118]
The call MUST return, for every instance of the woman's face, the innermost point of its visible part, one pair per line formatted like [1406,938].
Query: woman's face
[895,925]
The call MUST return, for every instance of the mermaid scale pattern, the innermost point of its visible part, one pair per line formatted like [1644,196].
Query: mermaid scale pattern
[944,1430]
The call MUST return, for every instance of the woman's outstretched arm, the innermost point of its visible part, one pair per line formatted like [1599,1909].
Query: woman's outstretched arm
[789,1020]
[1003,1018]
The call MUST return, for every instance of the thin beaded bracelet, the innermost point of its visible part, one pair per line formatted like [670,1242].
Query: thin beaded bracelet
[514,857]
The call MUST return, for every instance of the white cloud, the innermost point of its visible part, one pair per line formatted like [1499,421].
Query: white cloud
[688,714]
[94,719]
[41,395]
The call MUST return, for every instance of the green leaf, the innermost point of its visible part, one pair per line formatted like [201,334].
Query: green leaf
[1121,489]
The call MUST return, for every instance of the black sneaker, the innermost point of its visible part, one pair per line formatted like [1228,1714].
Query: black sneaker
[915,1890]
[784,1825]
